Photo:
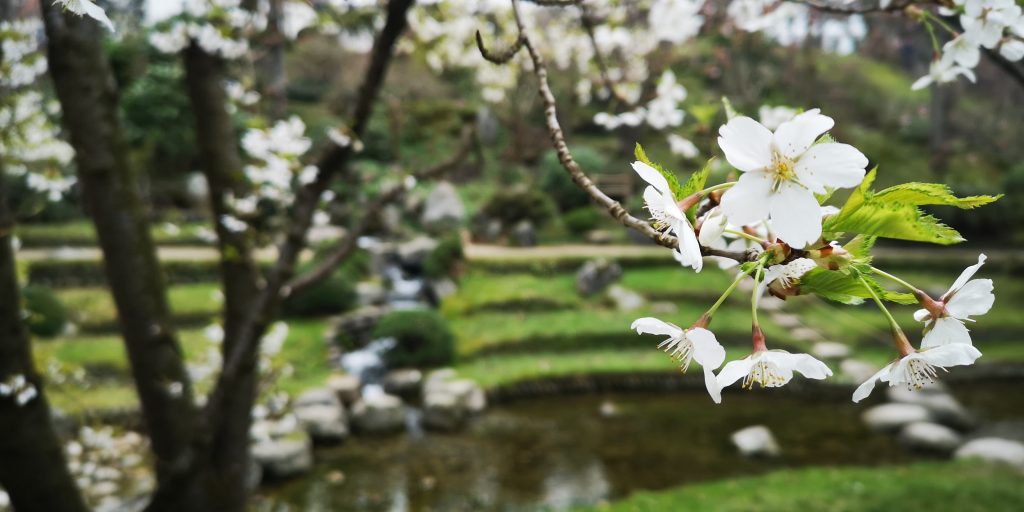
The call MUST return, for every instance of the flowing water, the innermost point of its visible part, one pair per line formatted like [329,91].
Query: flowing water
[563,451]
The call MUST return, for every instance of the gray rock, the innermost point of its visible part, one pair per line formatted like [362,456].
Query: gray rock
[595,276]
[442,411]
[282,458]
[756,441]
[664,308]
[830,350]
[942,406]
[930,437]
[1012,430]
[345,387]
[771,303]
[324,423]
[625,299]
[993,449]
[406,382]
[370,293]
[443,210]
[317,396]
[413,252]
[894,416]
[358,325]
[857,370]
[524,234]
[380,413]
[486,229]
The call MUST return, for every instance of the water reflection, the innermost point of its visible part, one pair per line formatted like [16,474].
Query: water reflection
[561,452]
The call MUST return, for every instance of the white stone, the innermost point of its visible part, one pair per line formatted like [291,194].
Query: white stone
[317,396]
[930,436]
[281,458]
[442,411]
[325,423]
[345,386]
[894,416]
[856,370]
[756,441]
[993,449]
[379,413]
[805,334]
[403,382]
[830,350]
[943,406]
[786,320]
[443,209]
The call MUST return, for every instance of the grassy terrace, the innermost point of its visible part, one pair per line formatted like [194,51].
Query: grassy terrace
[964,487]
[82,233]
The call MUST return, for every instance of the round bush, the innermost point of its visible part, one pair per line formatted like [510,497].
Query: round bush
[47,315]
[423,339]
[556,182]
[442,260]
[583,219]
[333,295]
[516,204]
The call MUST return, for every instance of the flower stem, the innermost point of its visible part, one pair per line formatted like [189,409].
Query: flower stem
[895,279]
[728,291]
[720,186]
[898,336]
[748,236]
[754,294]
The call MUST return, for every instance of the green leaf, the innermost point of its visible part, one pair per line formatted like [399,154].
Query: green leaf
[867,213]
[921,194]
[848,288]
[860,247]
[704,113]
[670,177]
[697,181]
[730,112]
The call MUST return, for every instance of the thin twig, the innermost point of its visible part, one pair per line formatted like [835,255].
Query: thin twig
[498,57]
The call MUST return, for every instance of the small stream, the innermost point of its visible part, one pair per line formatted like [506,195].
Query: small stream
[558,452]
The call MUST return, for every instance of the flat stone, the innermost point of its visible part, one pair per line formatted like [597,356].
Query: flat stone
[943,406]
[805,334]
[282,458]
[443,288]
[324,423]
[406,382]
[345,386]
[597,275]
[830,350]
[930,437]
[771,303]
[442,411]
[413,252]
[993,449]
[756,441]
[664,308]
[894,416]
[381,413]
[317,396]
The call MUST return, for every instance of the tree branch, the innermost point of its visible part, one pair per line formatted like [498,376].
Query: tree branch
[348,243]
[841,7]
[614,208]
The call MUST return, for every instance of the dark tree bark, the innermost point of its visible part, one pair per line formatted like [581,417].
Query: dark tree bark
[88,96]
[32,465]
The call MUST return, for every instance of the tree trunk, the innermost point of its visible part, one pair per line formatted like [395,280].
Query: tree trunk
[32,465]
[88,96]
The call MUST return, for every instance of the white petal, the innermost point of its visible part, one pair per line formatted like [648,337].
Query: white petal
[868,386]
[711,383]
[796,135]
[734,371]
[921,83]
[706,349]
[796,215]
[713,227]
[688,253]
[956,354]
[811,367]
[945,331]
[747,201]
[967,274]
[922,315]
[747,144]
[652,177]
[831,165]
[973,298]
[649,325]
[96,12]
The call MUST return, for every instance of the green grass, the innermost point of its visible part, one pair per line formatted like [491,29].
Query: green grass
[82,233]
[960,487]
[93,309]
[493,371]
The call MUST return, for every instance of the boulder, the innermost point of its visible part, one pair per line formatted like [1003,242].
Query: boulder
[625,299]
[830,350]
[449,401]
[358,325]
[345,387]
[443,210]
[405,383]
[317,396]
[524,234]
[894,416]
[324,423]
[441,289]
[282,458]
[486,229]
[943,407]
[442,411]
[379,413]
[993,449]
[930,437]
[756,441]
[413,252]
[595,276]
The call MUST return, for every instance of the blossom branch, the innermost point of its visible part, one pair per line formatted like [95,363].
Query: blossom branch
[579,177]
[347,244]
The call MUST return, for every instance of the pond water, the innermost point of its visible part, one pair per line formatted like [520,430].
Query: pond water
[562,451]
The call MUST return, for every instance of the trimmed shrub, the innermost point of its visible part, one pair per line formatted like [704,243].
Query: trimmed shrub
[47,315]
[583,219]
[516,204]
[441,262]
[423,338]
[335,294]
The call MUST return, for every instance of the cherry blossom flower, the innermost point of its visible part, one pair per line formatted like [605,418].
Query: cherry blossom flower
[783,170]
[682,146]
[782,277]
[771,369]
[919,368]
[945,323]
[666,213]
[693,344]
[942,70]
[87,8]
